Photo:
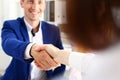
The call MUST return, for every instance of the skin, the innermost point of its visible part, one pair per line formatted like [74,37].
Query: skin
[60,56]
[42,58]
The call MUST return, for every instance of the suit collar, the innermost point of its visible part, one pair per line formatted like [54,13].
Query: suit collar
[23,29]
[45,32]
[44,27]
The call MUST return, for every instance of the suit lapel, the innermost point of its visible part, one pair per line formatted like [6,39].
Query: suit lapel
[23,29]
[44,33]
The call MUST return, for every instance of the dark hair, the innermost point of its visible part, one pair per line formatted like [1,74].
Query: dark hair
[90,23]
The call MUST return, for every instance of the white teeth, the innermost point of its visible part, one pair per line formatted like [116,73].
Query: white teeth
[34,12]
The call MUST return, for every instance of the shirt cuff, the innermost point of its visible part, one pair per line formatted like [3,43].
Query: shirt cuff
[76,59]
[27,51]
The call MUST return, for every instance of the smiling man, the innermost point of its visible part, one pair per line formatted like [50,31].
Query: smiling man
[19,43]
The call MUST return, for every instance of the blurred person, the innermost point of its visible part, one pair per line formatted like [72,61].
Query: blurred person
[19,43]
[93,28]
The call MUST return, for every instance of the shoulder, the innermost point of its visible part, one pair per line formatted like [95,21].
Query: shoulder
[49,25]
[14,22]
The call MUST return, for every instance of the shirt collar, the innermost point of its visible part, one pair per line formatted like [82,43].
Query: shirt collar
[29,27]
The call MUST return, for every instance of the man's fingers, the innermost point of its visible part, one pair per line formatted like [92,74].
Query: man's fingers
[51,62]
[38,48]
[52,50]
[45,61]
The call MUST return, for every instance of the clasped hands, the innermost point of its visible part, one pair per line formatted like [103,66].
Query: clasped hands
[48,57]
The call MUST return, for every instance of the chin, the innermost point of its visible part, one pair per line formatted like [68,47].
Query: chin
[34,19]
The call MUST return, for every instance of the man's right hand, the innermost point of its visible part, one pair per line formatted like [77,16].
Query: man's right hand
[42,59]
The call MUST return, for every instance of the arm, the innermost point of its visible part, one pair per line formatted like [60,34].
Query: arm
[15,45]
[11,43]
[60,56]
[73,59]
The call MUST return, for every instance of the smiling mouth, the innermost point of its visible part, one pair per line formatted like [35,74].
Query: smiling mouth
[34,13]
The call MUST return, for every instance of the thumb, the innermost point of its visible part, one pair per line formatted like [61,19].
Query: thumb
[40,47]
[53,51]
[37,49]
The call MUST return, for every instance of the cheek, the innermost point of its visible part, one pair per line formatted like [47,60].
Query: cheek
[76,48]
[42,8]
[25,7]
[79,48]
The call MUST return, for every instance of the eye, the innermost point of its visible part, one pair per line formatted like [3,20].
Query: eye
[40,1]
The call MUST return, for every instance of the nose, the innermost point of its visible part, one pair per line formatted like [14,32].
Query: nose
[35,6]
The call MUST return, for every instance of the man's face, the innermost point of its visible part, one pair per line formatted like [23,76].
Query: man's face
[33,9]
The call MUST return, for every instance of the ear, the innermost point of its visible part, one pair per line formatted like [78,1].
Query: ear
[21,3]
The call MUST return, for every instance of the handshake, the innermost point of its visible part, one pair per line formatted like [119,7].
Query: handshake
[48,57]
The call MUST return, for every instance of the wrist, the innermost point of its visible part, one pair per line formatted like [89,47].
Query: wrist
[65,56]
[31,53]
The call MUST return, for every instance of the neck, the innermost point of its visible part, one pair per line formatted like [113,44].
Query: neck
[34,24]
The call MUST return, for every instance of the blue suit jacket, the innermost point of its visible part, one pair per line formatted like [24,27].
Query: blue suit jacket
[14,41]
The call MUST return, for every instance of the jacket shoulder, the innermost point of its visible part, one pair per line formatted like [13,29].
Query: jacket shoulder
[13,23]
[48,24]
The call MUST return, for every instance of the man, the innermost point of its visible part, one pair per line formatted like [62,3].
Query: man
[21,44]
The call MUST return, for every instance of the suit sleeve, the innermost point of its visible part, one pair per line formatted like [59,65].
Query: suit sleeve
[12,46]
[59,41]
[61,69]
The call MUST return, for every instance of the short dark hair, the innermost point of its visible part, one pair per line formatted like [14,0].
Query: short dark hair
[90,23]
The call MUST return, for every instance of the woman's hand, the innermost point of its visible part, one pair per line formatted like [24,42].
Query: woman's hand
[60,56]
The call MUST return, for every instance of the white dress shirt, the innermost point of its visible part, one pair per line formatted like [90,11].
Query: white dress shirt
[35,72]
[101,65]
